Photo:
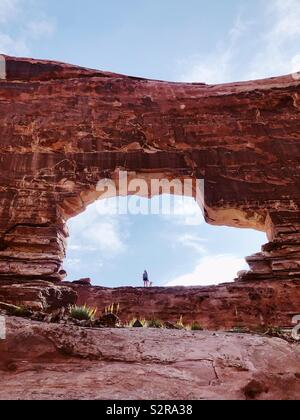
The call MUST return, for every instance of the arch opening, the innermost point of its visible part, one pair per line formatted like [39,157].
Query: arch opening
[116,238]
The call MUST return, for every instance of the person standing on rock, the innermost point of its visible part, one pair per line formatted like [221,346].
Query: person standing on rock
[146,279]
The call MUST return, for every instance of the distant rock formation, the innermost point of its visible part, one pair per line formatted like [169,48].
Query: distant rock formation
[83,282]
[259,304]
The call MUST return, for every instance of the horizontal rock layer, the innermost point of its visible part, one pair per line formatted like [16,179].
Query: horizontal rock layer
[64,128]
[37,295]
[253,304]
[42,362]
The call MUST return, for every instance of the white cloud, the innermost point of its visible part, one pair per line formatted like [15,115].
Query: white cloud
[193,242]
[273,49]
[12,46]
[41,28]
[212,270]
[93,232]
[286,15]
[81,264]
[105,236]
[295,63]
[280,43]
[9,9]
[217,66]
[76,247]
[73,262]
[21,25]
[185,211]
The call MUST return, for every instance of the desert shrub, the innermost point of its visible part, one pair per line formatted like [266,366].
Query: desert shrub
[195,326]
[14,310]
[239,329]
[83,313]
[155,323]
[21,311]
[180,323]
[132,323]
[129,324]
[144,323]
[112,309]
[274,331]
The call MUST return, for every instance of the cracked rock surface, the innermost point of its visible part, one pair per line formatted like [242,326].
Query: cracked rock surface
[42,361]
[251,304]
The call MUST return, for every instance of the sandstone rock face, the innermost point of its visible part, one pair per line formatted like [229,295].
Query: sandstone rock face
[83,282]
[41,361]
[63,128]
[37,295]
[253,304]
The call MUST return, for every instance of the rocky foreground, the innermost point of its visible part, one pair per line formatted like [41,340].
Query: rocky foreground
[49,355]
[255,305]
[48,361]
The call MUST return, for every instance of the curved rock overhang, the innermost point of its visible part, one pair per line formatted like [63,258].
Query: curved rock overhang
[63,128]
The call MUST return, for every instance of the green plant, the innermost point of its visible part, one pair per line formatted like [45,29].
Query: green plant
[180,323]
[21,311]
[144,323]
[131,323]
[239,329]
[195,326]
[83,313]
[274,331]
[14,310]
[155,323]
[112,309]
[261,329]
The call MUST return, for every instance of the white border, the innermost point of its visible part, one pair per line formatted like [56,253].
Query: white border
[2,328]
[2,67]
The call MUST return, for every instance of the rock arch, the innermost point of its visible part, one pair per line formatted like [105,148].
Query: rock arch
[62,128]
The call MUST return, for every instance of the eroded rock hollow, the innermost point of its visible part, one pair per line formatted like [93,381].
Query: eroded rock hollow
[64,128]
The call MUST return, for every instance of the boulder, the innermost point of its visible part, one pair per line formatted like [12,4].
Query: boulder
[37,295]
[83,282]
[109,321]
[137,324]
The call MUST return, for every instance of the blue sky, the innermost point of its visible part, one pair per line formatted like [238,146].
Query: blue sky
[195,40]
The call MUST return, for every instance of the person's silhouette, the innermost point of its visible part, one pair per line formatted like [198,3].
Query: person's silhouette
[146,279]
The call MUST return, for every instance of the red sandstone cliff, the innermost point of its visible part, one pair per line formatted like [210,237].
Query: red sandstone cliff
[63,128]
[252,305]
